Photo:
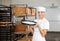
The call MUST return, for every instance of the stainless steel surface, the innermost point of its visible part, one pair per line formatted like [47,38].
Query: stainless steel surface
[17,19]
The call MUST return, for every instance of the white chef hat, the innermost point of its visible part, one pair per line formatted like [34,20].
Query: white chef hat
[41,9]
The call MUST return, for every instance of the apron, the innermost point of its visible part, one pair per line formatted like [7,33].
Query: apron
[37,35]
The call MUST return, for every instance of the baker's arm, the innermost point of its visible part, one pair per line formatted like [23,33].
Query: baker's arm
[42,31]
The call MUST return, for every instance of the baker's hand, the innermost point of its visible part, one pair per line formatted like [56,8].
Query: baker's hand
[37,25]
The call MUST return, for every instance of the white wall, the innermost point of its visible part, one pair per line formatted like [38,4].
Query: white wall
[0,1]
[53,15]
[36,2]
[32,2]
[6,2]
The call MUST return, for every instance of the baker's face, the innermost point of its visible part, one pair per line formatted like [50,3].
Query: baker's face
[41,14]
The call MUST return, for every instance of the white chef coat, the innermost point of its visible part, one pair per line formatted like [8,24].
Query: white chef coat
[37,35]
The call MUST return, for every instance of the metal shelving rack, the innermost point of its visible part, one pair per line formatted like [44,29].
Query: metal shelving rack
[31,12]
[5,16]
[21,12]
[5,13]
